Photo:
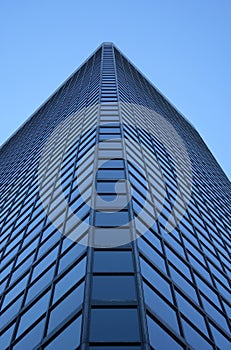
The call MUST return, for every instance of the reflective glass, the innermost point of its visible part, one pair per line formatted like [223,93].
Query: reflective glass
[114,325]
[110,174]
[69,279]
[155,279]
[31,338]
[161,339]
[160,307]
[6,337]
[191,313]
[33,313]
[113,288]
[113,261]
[70,335]
[194,338]
[107,219]
[66,307]
[222,341]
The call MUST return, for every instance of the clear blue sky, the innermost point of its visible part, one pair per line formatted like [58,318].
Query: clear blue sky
[182,46]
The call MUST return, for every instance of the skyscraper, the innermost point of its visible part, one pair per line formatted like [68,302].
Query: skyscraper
[114,221]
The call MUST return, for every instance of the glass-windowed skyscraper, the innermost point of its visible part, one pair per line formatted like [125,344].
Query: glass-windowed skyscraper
[115,221]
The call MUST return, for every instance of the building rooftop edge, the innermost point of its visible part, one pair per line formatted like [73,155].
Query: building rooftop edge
[54,92]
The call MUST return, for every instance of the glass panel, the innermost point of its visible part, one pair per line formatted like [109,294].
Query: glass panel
[110,174]
[70,279]
[32,338]
[191,313]
[183,283]
[75,251]
[220,340]
[38,286]
[160,307]
[114,219]
[108,130]
[109,187]
[70,336]
[66,307]
[159,339]
[114,347]
[176,261]
[155,279]
[194,338]
[215,314]
[6,337]
[113,288]
[11,311]
[151,254]
[116,325]
[16,290]
[113,261]
[35,311]
[104,137]
[112,163]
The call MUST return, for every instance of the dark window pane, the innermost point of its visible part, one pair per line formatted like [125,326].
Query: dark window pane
[113,261]
[104,137]
[109,187]
[112,163]
[110,174]
[114,348]
[118,218]
[107,130]
[117,325]
[113,288]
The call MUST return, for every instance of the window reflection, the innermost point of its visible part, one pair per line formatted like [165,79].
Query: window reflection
[161,339]
[114,325]
[113,288]
[70,335]
[113,261]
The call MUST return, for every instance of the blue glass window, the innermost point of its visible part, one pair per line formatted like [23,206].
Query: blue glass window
[106,219]
[34,312]
[70,336]
[66,307]
[114,325]
[191,313]
[160,307]
[155,279]
[110,174]
[31,338]
[160,339]
[113,261]
[69,279]
[194,338]
[113,288]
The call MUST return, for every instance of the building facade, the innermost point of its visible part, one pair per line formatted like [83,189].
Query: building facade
[115,221]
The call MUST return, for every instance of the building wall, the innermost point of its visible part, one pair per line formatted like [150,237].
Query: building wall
[86,262]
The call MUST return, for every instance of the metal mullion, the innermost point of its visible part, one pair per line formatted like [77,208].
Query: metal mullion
[84,341]
[138,277]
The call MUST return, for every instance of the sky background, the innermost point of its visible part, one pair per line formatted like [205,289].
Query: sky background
[182,46]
